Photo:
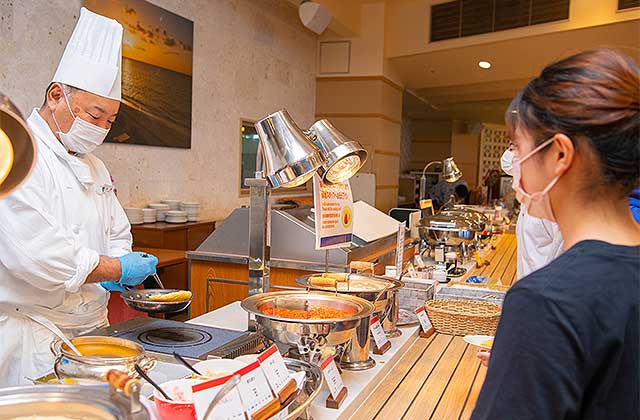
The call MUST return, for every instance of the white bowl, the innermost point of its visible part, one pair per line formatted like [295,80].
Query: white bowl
[133,210]
[217,368]
[158,206]
[173,204]
[176,213]
[247,358]
[178,389]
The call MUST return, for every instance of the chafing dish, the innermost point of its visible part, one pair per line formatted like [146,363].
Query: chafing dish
[383,293]
[313,339]
[378,290]
[90,369]
[446,229]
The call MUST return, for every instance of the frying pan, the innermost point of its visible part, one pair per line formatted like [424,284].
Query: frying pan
[140,300]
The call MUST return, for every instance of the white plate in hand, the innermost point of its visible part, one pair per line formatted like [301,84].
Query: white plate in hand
[479,340]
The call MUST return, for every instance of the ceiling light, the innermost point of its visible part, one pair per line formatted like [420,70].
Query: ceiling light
[484,64]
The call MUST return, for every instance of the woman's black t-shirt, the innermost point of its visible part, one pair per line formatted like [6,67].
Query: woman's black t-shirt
[568,346]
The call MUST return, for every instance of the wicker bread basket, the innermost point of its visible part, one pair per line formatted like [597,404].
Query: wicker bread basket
[463,316]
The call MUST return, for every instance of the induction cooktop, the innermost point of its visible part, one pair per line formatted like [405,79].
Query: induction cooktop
[189,340]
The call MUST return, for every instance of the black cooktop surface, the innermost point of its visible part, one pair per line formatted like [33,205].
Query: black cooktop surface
[165,336]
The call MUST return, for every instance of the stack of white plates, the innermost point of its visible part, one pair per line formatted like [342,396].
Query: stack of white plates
[161,210]
[149,215]
[192,209]
[173,204]
[135,215]
[176,216]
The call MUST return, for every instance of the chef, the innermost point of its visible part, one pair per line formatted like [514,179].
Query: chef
[64,238]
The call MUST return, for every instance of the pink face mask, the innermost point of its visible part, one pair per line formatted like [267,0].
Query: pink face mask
[537,203]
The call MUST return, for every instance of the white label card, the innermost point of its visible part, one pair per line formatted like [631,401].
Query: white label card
[254,388]
[272,364]
[378,332]
[424,319]
[229,408]
[412,271]
[419,261]
[332,376]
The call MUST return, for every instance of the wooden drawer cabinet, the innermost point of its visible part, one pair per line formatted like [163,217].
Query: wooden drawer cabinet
[184,237]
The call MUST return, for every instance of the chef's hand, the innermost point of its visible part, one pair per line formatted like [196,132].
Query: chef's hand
[484,356]
[136,266]
[112,286]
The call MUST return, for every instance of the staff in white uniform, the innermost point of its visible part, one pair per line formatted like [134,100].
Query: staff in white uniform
[539,240]
[64,238]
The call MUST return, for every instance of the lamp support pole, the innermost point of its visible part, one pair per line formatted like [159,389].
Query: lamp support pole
[259,233]
[423,179]
[259,237]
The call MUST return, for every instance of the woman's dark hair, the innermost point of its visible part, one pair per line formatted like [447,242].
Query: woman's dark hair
[591,97]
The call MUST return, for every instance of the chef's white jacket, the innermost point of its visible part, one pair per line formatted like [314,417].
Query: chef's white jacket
[53,230]
[539,242]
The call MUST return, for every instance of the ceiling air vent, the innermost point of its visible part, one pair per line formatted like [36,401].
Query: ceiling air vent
[462,18]
[445,21]
[628,4]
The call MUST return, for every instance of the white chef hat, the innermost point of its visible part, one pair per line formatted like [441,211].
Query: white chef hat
[92,60]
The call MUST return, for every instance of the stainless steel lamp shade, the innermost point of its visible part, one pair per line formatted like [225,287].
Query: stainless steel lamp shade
[450,171]
[290,157]
[24,147]
[344,155]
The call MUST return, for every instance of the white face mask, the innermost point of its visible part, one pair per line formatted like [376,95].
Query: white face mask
[83,137]
[506,162]
[537,203]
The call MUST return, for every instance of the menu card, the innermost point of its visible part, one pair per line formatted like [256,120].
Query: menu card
[377,331]
[425,323]
[254,388]
[275,370]
[229,408]
[332,376]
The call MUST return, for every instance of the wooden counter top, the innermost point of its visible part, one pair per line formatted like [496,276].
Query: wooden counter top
[439,377]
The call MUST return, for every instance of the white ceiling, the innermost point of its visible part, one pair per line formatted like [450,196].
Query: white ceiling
[450,85]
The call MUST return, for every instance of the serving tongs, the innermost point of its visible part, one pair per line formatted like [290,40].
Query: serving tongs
[293,304]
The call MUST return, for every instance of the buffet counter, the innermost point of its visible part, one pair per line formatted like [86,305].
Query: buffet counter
[437,377]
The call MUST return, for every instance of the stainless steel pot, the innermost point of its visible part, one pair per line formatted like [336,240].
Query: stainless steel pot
[313,338]
[99,402]
[91,369]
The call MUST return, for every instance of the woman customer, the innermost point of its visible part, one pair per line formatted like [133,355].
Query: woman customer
[568,340]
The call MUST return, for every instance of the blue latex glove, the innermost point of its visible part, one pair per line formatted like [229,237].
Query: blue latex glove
[136,266]
[112,286]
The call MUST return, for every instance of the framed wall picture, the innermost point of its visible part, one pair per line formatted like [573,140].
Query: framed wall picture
[157,64]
